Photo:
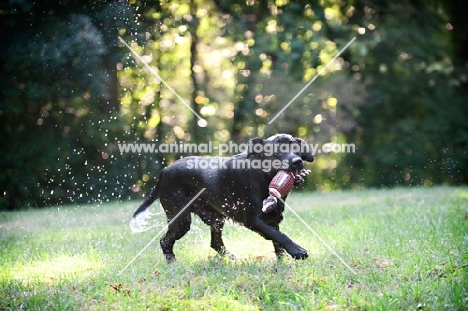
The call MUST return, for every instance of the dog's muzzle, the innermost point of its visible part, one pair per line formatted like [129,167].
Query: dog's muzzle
[296,164]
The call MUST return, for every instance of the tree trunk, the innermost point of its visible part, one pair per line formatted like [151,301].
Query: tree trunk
[197,90]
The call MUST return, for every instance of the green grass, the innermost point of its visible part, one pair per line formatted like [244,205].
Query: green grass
[409,248]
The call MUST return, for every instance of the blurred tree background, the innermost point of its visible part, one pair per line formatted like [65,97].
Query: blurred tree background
[71,91]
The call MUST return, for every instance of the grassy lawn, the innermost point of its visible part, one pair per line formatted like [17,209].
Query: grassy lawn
[409,248]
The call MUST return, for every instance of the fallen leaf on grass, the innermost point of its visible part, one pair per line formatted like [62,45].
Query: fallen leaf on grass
[118,289]
[437,272]
[382,262]
[331,307]
[354,285]
[356,263]
[319,282]
[443,271]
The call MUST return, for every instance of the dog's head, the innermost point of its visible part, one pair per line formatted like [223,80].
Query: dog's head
[290,151]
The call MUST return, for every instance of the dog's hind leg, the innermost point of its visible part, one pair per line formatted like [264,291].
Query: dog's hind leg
[176,230]
[217,240]
[216,221]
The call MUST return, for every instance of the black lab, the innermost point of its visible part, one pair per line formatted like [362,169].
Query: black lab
[234,187]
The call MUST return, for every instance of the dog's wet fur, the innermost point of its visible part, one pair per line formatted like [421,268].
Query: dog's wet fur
[230,192]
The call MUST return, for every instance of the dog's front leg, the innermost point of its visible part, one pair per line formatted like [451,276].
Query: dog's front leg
[280,240]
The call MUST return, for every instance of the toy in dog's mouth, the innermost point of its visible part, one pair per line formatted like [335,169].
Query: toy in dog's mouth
[281,185]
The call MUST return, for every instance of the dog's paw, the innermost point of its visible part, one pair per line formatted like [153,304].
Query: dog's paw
[227,255]
[298,253]
[280,255]
[170,258]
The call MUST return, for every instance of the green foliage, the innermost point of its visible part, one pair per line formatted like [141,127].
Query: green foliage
[412,126]
[70,91]
[280,47]
[57,113]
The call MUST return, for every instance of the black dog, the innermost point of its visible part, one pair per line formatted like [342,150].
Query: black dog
[234,188]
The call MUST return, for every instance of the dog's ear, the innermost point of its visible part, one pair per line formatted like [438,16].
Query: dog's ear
[253,147]
[306,154]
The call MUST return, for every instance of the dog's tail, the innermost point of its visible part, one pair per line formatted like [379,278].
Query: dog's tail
[138,222]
